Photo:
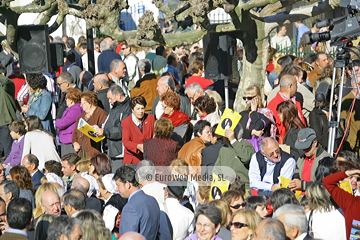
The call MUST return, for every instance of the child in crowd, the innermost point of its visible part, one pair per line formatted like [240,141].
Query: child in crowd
[17,132]
[258,204]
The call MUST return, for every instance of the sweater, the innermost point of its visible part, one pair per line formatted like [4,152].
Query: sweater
[15,155]
[349,203]
[66,124]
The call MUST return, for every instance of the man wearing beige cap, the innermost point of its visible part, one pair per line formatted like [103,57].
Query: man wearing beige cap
[309,161]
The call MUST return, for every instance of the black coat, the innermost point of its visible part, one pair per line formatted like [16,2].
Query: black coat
[113,129]
[290,139]
[256,123]
[318,121]
[94,204]
[103,101]
[210,153]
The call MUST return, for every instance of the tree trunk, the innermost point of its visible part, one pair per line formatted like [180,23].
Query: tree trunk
[253,72]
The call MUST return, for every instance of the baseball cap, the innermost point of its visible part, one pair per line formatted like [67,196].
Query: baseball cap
[305,138]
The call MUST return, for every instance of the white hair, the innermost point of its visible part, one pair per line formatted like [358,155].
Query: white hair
[294,216]
[194,87]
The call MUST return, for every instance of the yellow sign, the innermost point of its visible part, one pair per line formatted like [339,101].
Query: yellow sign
[228,120]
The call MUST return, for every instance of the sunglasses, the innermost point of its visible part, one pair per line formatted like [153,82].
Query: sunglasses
[237,206]
[238,224]
[248,98]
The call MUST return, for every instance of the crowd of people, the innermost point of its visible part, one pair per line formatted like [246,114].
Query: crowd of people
[142,170]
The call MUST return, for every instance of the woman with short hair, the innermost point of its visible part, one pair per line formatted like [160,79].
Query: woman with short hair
[93,115]
[161,149]
[66,124]
[137,128]
[206,108]
[171,105]
[208,223]
[40,101]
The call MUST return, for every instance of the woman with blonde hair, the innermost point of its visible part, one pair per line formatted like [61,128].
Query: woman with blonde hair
[325,221]
[244,223]
[93,225]
[38,211]
[256,121]
[225,212]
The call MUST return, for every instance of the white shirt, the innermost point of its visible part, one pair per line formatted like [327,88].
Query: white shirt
[41,145]
[280,41]
[156,190]
[181,218]
[302,236]
[328,225]
[85,61]
[266,183]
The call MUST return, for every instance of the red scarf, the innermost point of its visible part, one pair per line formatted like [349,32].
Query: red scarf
[177,118]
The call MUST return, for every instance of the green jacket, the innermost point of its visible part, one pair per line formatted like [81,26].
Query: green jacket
[7,101]
[238,158]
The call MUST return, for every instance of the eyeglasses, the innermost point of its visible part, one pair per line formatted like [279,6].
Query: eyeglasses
[237,206]
[248,98]
[277,151]
[193,96]
[59,84]
[238,224]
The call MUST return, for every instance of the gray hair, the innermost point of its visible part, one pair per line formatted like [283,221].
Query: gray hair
[266,141]
[168,81]
[116,89]
[194,87]
[104,45]
[287,80]
[31,158]
[66,77]
[210,211]
[62,225]
[294,216]
[145,168]
[115,64]
[144,65]
[273,229]
[11,186]
[57,39]
[103,79]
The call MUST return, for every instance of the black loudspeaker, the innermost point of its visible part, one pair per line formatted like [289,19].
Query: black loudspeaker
[219,50]
[33,48]
[57,54]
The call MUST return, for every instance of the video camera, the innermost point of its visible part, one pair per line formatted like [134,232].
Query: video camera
[342,28]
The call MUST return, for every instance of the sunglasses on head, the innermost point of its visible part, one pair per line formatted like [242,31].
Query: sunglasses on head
[248,98]
[237,206]
[238,224]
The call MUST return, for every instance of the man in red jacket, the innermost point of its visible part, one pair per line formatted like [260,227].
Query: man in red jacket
[288,88]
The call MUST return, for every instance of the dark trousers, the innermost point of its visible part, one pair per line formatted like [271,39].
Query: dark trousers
[5,141]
